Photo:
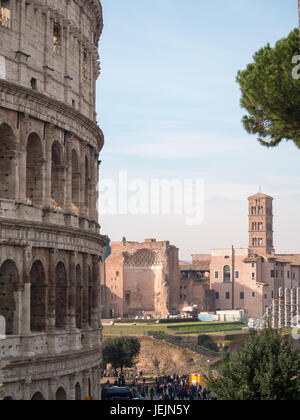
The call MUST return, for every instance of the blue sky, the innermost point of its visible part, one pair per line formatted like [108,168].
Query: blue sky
[168,104]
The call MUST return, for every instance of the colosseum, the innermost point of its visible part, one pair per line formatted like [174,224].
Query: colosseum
[50,243]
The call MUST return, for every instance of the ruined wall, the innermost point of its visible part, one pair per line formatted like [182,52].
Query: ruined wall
[144,277]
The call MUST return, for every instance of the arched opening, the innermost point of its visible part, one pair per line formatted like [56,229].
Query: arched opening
[86,183]
[226,274]
[38,298]
[61,296]
[75,182]
[9,280]
[34,172]
[78,298]
[8,399]
[37,397]
[90,296]
[57,177]
[61,395]
[90,388]
[7,163]
[78,396]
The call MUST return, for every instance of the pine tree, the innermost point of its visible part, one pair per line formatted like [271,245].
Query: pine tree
[271,93]
[265,369]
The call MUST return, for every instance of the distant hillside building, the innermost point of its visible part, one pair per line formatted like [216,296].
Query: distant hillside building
[251,278]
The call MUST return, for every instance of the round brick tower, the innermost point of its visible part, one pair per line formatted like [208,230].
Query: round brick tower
[50,243]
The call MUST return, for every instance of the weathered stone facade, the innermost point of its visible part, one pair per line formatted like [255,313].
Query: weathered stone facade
[140,279]
[50,242]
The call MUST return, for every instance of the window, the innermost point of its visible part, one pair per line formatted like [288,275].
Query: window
[5,13]
[217,295]
[227,295]
[272,274]
[226,274]
[266,296]
[237,274]
[260,226]
[216,274]
[33,83]
[272,294]
[253,294]
[242,295]
[253,276]
[253,265]
[56,38]
[260,242]
[127,298]
[84,64]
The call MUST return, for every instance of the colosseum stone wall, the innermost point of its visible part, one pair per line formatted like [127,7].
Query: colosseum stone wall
[50,243]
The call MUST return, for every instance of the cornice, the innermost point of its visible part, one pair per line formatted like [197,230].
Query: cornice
[61,108]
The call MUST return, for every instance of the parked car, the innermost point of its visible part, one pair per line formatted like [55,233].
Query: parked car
[115,393]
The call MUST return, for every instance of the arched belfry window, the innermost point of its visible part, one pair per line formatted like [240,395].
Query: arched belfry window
[226,274]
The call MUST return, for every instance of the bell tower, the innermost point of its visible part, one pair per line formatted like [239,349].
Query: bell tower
[261,224]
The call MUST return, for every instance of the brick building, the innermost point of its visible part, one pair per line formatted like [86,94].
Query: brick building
[195,285]
[251,278]
[140,279]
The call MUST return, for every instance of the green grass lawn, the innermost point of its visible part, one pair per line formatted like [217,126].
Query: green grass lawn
[175,329]
[204,328]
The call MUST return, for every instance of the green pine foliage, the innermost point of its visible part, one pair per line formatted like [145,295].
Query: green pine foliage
[270,93]
[265,369]
[121,352]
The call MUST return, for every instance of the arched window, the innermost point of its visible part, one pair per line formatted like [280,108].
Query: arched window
[38,298]
[61,395]
[78,396]
[7,163]
[9,280]
[78,298]
[226,274]
[34,173]
[37,397]
[90,296]
[86,183]
[57,176]
[75,181]
[61,296]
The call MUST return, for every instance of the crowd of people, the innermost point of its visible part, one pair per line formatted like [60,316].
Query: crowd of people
[163,388]
[171,388]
